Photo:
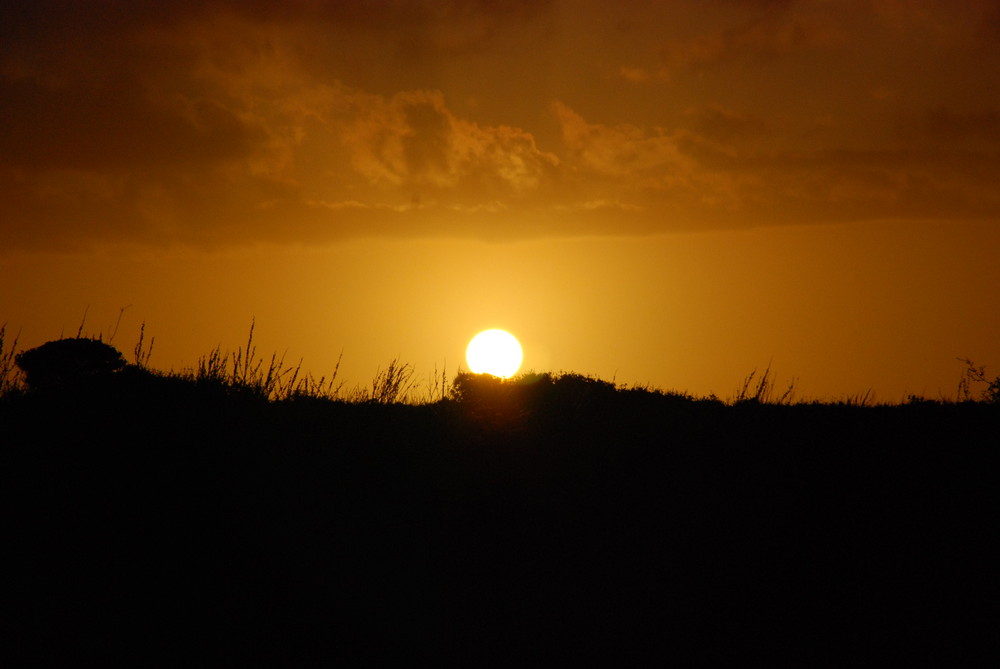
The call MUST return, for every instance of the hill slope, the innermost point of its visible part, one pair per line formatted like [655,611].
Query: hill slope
[155,521]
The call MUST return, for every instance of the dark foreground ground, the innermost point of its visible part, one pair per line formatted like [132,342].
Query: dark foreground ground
[167,524]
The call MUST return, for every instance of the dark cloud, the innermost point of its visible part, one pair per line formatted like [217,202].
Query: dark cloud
[725,125]
[770,36]
[58,21]
[721,165]
[426,144]
[218,122]
[950,125]
[116,124]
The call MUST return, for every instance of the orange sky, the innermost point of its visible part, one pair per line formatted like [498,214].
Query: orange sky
[666,193]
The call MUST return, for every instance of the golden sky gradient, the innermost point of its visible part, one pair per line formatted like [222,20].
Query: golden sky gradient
[666,193]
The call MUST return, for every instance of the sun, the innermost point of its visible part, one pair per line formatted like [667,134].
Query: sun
[494,352]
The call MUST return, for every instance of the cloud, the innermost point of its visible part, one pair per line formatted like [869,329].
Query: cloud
[776,34]
[116,124]
[934,17]
[414,140]
[722,167]
[619,151]
[745,33]
[980,126]
[717,123]
[216,131]
[213,122]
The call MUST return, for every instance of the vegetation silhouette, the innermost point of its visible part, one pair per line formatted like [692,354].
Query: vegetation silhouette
[68,363]
[973,376]
[545,519]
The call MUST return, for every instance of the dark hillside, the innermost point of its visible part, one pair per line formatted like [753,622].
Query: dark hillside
[154,521]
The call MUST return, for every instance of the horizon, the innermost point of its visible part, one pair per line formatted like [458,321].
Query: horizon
[415,385]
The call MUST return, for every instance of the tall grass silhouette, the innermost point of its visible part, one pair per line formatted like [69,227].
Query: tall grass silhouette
[761,391]
[11,379]
[245,371]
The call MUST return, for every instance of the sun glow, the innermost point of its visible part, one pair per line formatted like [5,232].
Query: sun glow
[494,352]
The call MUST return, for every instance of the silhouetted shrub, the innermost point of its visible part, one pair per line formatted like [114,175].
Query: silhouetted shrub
[469,387]
[577,389]
[992,393]
[492,398]
[67,363]
[976,375]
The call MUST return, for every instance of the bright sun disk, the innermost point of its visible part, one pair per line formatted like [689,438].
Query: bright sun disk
[494,352]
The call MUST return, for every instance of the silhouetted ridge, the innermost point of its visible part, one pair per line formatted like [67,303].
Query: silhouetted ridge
[540,521]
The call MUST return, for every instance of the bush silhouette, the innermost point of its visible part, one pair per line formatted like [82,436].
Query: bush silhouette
[68,363]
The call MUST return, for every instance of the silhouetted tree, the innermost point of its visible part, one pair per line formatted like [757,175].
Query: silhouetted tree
[67,363]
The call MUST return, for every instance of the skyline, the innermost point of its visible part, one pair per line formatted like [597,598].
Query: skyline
[672,194]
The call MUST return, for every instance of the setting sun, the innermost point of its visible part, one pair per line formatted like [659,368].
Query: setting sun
[494,352]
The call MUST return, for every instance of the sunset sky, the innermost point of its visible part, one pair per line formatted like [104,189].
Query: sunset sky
[666,193]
